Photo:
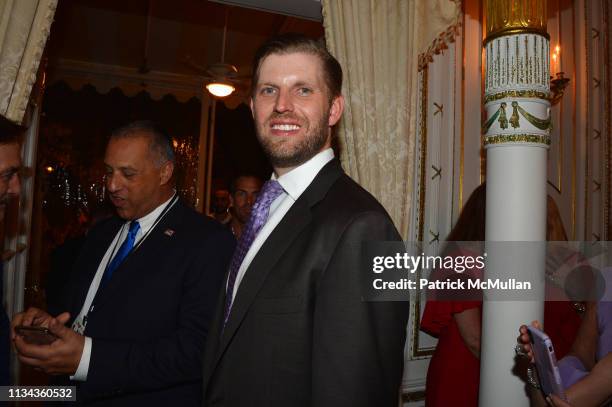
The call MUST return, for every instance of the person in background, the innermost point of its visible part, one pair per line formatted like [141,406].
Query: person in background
[562,316]
[220,206]
[454,370]
[586,372]
[142,291]
[243,193]
[10,166]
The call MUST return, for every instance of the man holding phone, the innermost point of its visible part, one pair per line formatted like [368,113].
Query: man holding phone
[142,290]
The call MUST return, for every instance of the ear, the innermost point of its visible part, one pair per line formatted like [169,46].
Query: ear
[165,172]
[251,105]
[335,110]
[231,199]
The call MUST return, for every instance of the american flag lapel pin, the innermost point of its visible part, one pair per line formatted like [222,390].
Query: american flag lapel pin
[169,232]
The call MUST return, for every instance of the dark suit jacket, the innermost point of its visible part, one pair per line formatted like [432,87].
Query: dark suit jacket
[299,333]
[150,321]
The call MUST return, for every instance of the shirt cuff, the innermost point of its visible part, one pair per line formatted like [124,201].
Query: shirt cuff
[81,372]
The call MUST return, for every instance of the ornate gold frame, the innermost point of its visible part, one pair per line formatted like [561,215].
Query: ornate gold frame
[415,351]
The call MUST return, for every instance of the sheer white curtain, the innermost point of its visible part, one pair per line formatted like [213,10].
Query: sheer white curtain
[378,43]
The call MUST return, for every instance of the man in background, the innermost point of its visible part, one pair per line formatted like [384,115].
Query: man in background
[143,288]
[10,166]
[220,206]
[243,193]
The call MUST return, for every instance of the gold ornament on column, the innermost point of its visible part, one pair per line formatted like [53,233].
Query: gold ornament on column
[506,17]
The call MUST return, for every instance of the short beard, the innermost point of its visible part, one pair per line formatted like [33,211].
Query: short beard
[308,147]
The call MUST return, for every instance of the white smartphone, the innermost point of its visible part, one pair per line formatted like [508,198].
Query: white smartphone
[546,363]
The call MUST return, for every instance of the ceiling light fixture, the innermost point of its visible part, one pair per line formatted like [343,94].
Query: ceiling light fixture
[220,86]
[220,89]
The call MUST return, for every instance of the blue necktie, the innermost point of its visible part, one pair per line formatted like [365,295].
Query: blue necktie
[122,253]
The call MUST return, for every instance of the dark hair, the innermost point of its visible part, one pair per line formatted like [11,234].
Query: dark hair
[233,188]
[470,226]
[292,43]
[160,141]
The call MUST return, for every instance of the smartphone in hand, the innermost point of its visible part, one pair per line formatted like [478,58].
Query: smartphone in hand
[35,335]
[546,363]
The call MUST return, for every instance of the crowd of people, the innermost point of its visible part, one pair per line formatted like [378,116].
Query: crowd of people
[256,304]
[259,303]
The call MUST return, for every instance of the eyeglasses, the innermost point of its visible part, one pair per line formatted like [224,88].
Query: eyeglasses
[7,175]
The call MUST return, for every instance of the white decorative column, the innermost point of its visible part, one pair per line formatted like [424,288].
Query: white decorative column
[516,138]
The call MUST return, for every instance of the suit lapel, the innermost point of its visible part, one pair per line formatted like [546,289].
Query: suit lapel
[84,273]
[156,242]
[270,252]
[275,246]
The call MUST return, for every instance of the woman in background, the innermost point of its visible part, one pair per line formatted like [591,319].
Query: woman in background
[454,370]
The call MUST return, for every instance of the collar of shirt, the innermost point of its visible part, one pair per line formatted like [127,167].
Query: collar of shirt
[298,179]
[147,221]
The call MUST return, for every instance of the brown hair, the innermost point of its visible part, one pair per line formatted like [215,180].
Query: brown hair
[471,223]
[292,43]
[470,226]
[554,225]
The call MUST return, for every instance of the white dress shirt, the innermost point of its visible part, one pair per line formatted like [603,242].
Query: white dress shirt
[294,183]
[146,223]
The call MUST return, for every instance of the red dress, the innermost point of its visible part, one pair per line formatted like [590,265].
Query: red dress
[454,373]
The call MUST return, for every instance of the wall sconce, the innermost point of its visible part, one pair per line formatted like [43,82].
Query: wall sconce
[559,82]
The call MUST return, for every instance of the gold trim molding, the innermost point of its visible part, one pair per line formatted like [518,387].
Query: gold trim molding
[516,94]
[439,45]
[505,17]
[516,138]
[514,31]
[416,351]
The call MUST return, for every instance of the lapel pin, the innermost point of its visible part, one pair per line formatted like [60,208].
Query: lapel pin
[169,232]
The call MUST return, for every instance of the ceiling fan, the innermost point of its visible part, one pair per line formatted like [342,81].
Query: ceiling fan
[221,79]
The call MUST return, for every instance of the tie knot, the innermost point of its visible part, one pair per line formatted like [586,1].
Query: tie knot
[269,192]
[134,227]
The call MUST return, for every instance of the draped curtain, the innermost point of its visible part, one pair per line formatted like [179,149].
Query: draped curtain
[24,28]
[378,43]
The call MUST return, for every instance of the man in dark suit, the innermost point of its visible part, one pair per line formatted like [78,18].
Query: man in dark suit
[143,287]
[292,328]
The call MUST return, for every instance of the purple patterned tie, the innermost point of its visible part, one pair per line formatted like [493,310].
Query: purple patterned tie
[269,192]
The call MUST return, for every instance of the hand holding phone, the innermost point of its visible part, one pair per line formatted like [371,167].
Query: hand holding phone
[35,335]
[546,363]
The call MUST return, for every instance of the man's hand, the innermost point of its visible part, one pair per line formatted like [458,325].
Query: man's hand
[32,317]
[62,356]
